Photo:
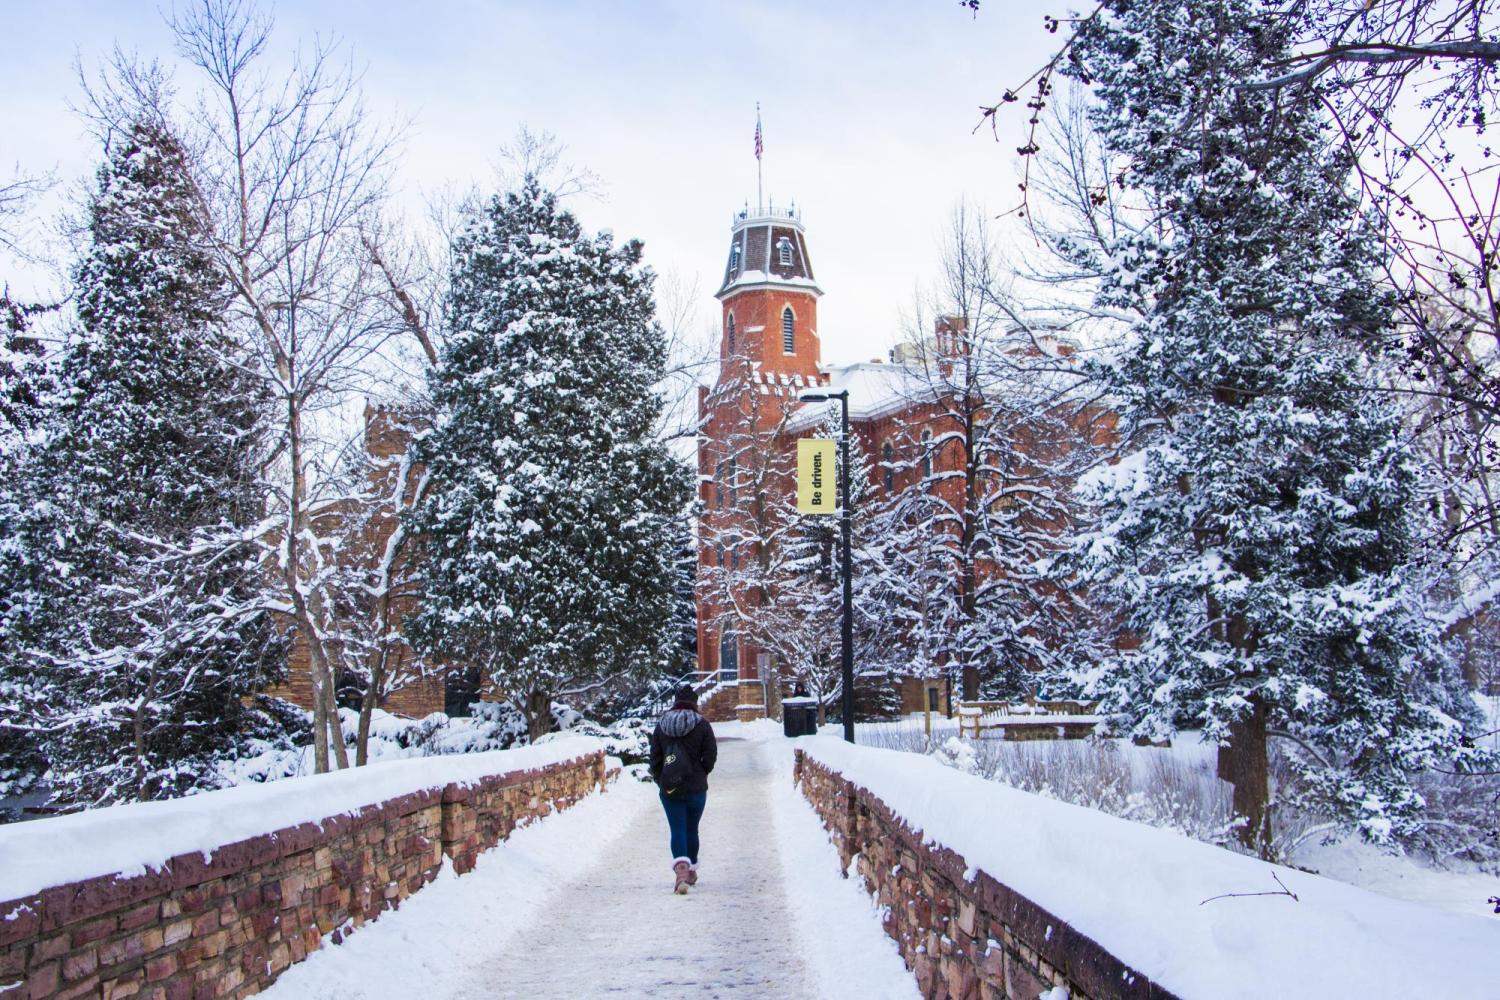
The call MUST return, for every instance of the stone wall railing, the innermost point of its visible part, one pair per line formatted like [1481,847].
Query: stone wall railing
[227,921]
[964,935]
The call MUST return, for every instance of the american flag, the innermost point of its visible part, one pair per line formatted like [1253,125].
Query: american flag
[759,145]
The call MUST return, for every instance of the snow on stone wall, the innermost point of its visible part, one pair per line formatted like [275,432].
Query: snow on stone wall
[216,894]
[991,891]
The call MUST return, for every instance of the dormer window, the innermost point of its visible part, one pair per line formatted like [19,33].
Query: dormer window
[729,337]
[788,334]
[734,260]
[784,249]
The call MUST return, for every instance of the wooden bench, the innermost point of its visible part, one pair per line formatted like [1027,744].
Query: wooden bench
[1029,720]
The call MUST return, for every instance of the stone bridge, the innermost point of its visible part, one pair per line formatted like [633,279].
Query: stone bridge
[544,872]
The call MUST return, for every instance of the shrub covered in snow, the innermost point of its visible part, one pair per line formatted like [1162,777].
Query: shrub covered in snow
[1178,789]
[281,747]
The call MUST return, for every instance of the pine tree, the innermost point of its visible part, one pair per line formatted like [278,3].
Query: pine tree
[148,481]
[548,528]
[25,387]
[1260,538]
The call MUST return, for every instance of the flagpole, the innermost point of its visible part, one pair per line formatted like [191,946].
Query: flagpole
[760,205]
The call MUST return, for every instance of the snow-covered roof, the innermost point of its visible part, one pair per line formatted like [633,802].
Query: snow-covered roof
[875,390]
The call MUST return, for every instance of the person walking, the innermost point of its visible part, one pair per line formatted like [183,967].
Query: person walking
[683,752]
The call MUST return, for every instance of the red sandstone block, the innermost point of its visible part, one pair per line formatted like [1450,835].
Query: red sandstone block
[213,945]
[86,988]
[20,919]
[12,965]
[160,968]
[44,981]
[140,916]
[93,931]
[177,930]
[54,946]
[128,985]
[80,965]
[180,988]
[123,949]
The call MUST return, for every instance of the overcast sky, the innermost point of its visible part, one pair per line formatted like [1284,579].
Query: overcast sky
[869,112]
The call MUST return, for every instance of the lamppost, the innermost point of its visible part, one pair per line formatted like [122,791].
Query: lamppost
[846,517]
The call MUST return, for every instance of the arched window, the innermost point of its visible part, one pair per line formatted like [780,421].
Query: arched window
[927,454]
[730,337]
[887,462]
[784,251]
[732,478]
[788,334]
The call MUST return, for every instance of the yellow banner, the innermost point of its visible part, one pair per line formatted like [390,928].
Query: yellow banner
[817,485]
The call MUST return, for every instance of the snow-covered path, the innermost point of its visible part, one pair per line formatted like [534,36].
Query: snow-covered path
[619,931]
[580,905]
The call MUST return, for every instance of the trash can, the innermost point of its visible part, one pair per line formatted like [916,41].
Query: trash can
[799,716]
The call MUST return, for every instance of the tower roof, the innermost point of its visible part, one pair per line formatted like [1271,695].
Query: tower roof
[768,247]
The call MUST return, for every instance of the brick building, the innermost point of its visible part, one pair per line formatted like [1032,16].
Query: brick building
[751,417]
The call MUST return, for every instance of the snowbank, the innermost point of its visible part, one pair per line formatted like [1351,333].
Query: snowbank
[127,839]
[1144,894]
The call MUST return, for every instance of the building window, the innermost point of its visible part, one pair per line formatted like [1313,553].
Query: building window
[784,249]
[730,338]
[927,454]
[888,463]
[788,337]
[729,657]
[734,260]
[732,478]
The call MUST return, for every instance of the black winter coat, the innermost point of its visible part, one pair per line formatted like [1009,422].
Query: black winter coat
[685,726]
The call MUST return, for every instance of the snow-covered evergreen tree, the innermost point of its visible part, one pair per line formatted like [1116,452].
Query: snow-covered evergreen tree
[1260,536]
[548,528]
[138,573]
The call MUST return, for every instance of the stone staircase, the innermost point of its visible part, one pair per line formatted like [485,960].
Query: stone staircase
[719,704]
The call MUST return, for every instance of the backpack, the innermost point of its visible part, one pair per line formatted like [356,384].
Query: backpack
[676,769]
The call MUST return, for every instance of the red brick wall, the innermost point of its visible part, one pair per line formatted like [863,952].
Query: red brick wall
[963,938]
[229,925]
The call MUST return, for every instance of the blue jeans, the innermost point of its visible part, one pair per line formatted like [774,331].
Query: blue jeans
[682,816]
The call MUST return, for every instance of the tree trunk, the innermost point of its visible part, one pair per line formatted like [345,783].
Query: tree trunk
[1244,764]
[366,710]
[538,715]
[320,720]
[971,682]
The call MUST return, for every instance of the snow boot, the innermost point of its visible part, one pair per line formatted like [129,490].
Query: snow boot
[684,872]
[692,878]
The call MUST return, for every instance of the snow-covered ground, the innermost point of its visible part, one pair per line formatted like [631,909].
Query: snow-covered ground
[1177,788]
[1200,920]
[580,905]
